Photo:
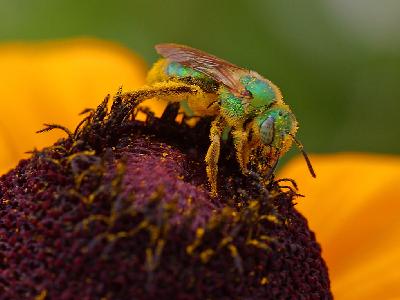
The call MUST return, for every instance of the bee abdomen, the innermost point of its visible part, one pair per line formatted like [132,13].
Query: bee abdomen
[191,76]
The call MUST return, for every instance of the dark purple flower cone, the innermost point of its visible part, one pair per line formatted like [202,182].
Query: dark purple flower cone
[121,210]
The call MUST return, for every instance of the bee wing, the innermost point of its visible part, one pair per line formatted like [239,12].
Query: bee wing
[218,69]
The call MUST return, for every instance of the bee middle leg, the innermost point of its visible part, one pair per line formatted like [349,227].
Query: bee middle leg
[213,153]
[242,148]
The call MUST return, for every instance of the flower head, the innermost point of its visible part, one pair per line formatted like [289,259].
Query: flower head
[115,210]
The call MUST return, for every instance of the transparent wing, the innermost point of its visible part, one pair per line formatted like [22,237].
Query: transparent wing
[218,69]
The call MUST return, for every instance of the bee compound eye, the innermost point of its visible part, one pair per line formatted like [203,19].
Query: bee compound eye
[267,131]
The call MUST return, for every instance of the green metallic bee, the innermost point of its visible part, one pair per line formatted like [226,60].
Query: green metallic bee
[251,106]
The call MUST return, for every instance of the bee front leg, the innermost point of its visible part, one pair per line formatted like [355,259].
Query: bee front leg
[213,153]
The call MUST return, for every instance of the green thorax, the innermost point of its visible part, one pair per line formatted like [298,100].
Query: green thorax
[262,98]
[263,95]
[232,107]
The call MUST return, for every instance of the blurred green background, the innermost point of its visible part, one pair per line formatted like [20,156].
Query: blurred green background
[337,62]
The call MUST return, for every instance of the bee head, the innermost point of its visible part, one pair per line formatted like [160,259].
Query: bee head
[277,129]
[276,126]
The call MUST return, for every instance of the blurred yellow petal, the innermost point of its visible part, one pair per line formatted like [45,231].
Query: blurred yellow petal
[52,82]
[353,206]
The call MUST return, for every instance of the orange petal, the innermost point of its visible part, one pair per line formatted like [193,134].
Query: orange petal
[353,206]
[53,82]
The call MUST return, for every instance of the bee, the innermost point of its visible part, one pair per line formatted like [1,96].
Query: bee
[238,99]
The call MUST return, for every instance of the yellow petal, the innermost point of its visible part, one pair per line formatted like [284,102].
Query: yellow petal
[53,82]
[353,206]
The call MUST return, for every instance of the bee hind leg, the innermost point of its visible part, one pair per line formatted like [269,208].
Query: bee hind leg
[213,153]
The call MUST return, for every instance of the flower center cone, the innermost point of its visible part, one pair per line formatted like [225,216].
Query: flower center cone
[121,209]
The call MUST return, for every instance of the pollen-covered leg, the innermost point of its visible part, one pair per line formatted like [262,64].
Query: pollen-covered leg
[169,90]
[240,139]
[213,153]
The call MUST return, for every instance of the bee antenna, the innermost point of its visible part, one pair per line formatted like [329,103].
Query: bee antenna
[301,148]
